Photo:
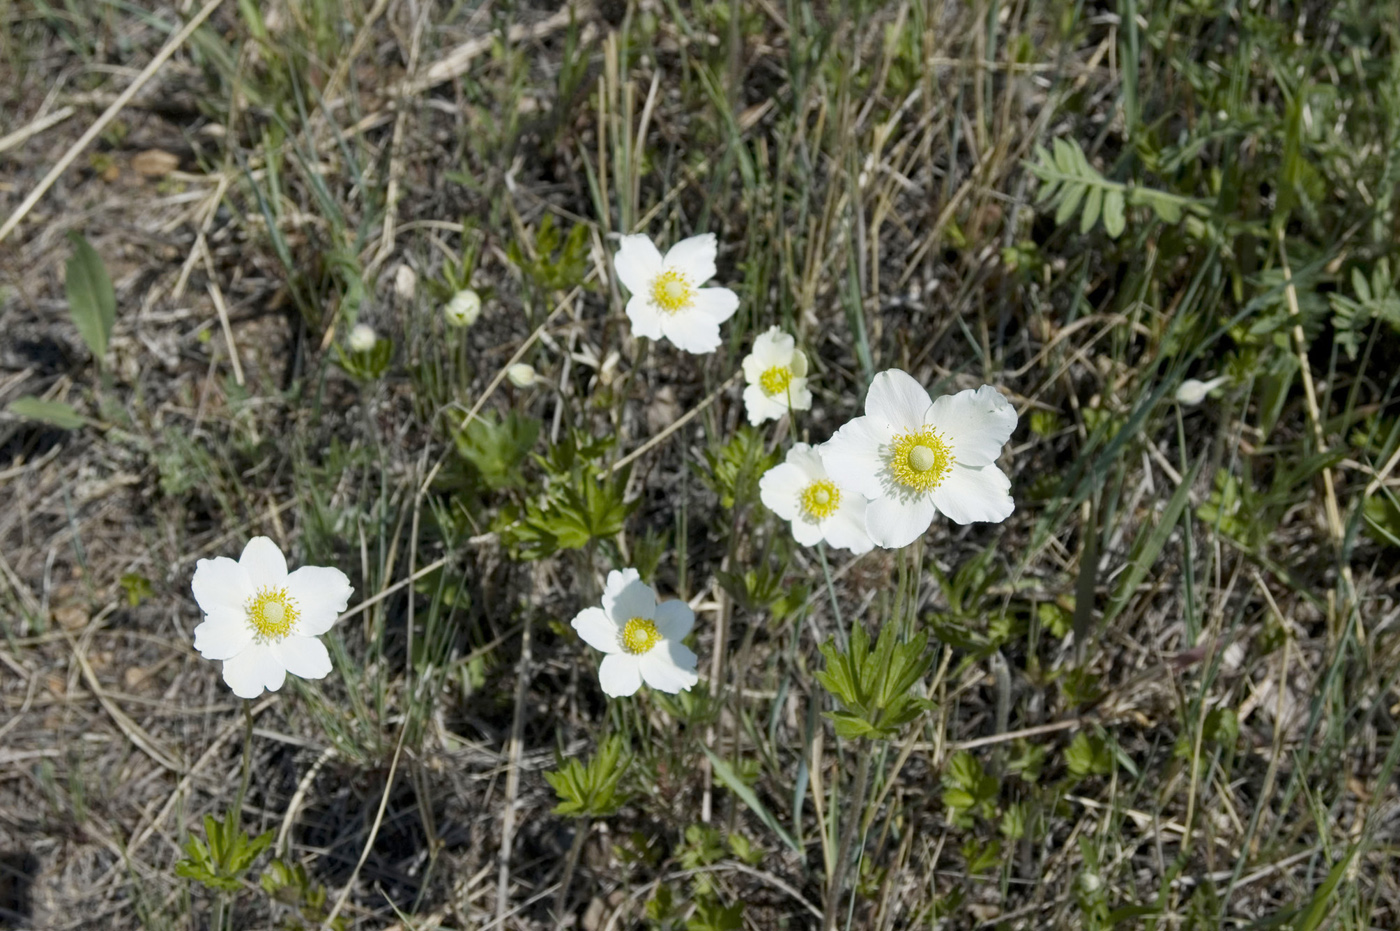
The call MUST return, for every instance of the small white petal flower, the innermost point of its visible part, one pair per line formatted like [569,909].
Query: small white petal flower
[800,490]
[667,300]
[641,639]
[1193,392]
[521,374]
[263,622]
[914,457]
[363,338]
[776,372]
[463,309]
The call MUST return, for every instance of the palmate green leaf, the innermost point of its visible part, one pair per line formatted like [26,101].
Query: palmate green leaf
[54,413]
[876,688]
[91,300]
[591,789]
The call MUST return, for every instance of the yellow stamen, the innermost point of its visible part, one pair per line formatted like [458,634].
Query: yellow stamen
[639,635]
[821,499]
[671,291]
[775,380]
[273,613]
[920,461]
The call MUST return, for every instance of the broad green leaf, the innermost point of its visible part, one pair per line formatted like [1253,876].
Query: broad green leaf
[54,413]
[1114,218]
[91,300]
[1093,203]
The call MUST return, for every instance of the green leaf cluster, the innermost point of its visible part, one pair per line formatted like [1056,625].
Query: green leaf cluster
[368,365]
[969,793]
[590,790]
[1071,185]
[736,467]
[558,263]
[220,862]
[1089,755]
[875,687]
[1375,299]
[498,448]
[584,501]
[292,887]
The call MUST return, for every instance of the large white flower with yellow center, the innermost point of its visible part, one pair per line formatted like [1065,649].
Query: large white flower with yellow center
[914,457]
[667,300]
[262,621]
[642,639]
[776,372]
[801,491]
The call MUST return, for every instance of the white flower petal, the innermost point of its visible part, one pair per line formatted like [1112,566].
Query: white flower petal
[799,365]
[691,331]
[976,423]
[674,619]
[597,629]
[968,495]
[753,367]
[761,407]
[670,667]
[625,596]
[780,489]
[619,675]
[896,522]
[646,319]
[806,531]
[264,563]
[808,461]
[852,456]
[774,347]
[714,304]
[253,670]
[224,633]
[799,396]
[896,399]
[321,594]
[694,258]
[221,583]
[303,656]
[846,528]
[637,262]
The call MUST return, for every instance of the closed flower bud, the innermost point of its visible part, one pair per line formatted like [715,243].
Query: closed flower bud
[1193,392]
[464,308]
[521,374]
[405,282]
[363,338]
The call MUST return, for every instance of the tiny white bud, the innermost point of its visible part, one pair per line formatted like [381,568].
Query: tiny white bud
[363,338]
[1193,392]
[464,308]
[405,282]
[1090,883]
[521,374]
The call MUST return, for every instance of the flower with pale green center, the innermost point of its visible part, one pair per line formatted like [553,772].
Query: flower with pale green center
[776,373]
[640,639]
[800,490]
[263,622]
[914,457]
[667,299]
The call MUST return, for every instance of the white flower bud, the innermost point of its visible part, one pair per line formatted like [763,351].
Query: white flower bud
[405,282]
[464,308]
[521,374]
[363,338]
[1090,883]
[1193,392]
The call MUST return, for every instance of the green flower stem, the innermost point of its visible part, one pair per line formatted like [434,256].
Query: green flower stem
[848,834]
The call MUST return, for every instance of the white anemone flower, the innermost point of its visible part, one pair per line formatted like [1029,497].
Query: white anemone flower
[642,639]
[800,490]
[262,621]
[776,372]
[463,309]
[914,457]
[667,300]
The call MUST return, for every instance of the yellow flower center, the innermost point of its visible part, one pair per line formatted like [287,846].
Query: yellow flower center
[821,499]
[921,460]
[272,612]
[639,635]
[671,291]
[775,380]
